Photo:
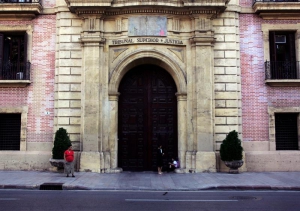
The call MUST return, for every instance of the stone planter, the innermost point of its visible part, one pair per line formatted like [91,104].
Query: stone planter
[234,165]
[59,163]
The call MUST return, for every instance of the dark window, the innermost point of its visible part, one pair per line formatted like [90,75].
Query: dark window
[14,48]
[286,130]
[10,129]
[13,55]
[282,55]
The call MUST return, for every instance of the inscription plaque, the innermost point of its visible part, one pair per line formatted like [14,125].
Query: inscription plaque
[147,26]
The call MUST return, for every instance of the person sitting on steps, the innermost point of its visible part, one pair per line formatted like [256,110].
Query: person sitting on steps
[172,165]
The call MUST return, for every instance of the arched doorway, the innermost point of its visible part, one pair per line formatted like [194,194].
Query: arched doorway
[147,117]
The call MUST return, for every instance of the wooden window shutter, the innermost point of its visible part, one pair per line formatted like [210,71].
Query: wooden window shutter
[291,43]
[1,53]
[25,46]
[272,46]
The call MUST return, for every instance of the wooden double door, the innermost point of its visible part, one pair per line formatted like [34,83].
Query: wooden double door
[147,118]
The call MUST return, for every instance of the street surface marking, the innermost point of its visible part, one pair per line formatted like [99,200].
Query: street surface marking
[174,200]
[8,199]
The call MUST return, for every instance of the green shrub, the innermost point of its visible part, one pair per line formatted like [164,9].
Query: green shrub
[231,148]
[61,143]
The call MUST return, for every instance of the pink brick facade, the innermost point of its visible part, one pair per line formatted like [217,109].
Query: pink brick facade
[39,95]
[48,3]
[256,95]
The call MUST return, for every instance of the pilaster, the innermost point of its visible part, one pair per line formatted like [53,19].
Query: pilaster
[92,156]
[202,44]
[182,128]
[203,71]
[113,130]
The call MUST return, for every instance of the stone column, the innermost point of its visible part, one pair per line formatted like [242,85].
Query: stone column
[113,133]
[182,129]
[91,157]
[204,89]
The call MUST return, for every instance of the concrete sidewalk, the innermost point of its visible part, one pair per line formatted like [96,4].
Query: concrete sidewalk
[152,181]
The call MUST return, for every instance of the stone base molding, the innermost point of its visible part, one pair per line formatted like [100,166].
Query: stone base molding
[261,161]
[25,160]
[206,162]
[91,161]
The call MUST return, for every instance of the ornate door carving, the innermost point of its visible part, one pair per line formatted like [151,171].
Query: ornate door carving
[147,118]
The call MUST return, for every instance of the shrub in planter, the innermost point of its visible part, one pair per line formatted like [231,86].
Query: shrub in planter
[231,152]
[231,148]
[61,143]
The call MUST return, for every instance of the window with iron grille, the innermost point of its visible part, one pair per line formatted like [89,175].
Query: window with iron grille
[13,55]
[286,130]
[10,129]
[283,55]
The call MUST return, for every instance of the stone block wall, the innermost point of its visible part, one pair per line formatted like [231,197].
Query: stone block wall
[227,84]
[68,75]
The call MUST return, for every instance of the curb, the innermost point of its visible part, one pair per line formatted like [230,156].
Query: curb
[27,187]
[221,187]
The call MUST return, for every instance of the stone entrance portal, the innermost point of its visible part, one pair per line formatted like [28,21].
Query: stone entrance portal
[147,118]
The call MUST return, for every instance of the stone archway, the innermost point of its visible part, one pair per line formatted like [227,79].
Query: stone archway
[140,57]
[134,59]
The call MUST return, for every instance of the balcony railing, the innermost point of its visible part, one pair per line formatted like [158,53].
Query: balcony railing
[19,1]
[282,70]
[15,71]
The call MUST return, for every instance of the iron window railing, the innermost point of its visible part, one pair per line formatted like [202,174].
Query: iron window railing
[282,70]
[20,1]
[15,71]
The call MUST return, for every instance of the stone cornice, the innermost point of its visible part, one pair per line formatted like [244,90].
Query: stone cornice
[146,11]
[277,10]
[203,40]
[162,11]
[181,96]
[113,96]
[119,7]
[283,83]
[19,11]
[89,3]
[202,3]
[92,40]
[14,83]
[27,28]
[91,11]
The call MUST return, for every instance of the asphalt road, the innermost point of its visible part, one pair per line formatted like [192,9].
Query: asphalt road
[23,200]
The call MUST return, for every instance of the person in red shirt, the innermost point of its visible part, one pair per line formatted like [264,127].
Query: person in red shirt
[69,161]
